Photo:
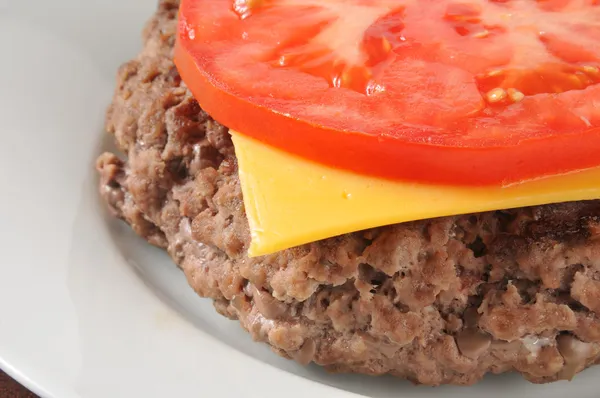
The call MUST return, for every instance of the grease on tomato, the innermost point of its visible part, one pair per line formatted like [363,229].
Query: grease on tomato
[471,92]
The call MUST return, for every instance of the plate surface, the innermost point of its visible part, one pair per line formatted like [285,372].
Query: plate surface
[86,308]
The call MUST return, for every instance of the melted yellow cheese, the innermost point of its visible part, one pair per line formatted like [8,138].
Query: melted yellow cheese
[291,201]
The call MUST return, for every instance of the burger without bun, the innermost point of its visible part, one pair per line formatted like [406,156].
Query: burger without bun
[410,188]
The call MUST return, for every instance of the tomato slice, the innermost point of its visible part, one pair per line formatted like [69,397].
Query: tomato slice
[468,92]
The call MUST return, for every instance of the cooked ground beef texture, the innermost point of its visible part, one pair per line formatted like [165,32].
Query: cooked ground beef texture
[438,301]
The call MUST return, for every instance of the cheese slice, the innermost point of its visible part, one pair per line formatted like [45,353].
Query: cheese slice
[291,201]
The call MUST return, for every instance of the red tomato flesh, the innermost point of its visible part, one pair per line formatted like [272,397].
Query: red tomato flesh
[469,92]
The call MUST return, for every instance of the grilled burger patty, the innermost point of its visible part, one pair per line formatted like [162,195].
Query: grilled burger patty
[436,301]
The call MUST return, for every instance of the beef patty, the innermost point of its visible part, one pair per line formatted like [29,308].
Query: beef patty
[437,301]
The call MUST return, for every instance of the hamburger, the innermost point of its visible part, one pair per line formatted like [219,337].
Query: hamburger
[453,237]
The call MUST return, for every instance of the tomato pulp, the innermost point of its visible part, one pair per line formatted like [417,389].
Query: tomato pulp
[470,92]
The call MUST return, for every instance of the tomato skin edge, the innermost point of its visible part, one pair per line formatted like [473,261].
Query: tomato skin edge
[394,159]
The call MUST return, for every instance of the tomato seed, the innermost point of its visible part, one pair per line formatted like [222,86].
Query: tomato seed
[515,95]
[496,95]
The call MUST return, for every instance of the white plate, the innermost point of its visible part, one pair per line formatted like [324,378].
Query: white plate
[86,308]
